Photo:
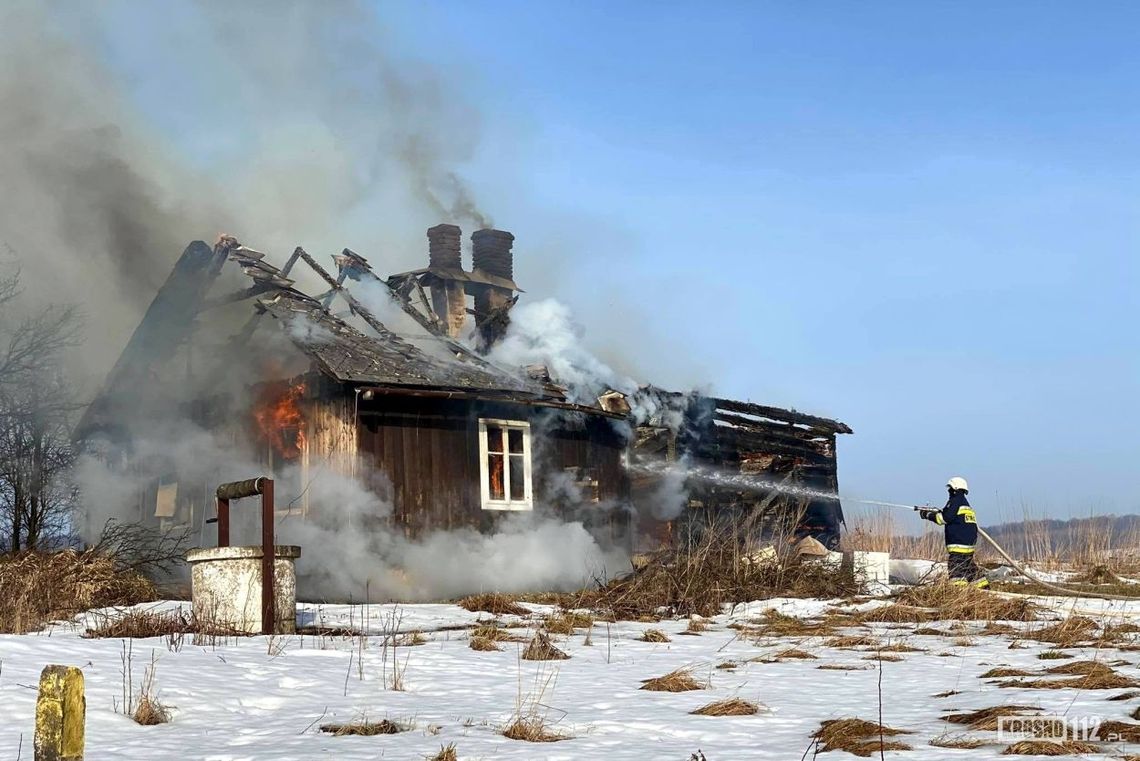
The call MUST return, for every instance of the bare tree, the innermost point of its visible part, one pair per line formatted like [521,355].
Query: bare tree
[36,410]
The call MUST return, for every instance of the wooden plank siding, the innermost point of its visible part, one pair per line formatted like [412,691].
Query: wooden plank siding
[429,450]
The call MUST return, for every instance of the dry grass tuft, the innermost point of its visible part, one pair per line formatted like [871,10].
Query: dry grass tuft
[947,694]
[1066,633]
[1050,748]
[728,707]
[532,730]
[365,728]
[897,614]
[885,658]
[702,575]
[852,641]
[542,649]
[1109,680]
[150,711]
[727,665]
[1118,731]
[696,626]
[843,667]
[986,719]
[1053,655]
[565,623]
[962,743]
[36,588]
[495,633]
[858,737]
[1004,672]
[142,624]
[1083,668]
[482,644]
[446,753]
[794,654]
[1126,696]
[681,680]
[654,635]
[901,647]
[495,603]
[954,603]
[931,632]
[777,624]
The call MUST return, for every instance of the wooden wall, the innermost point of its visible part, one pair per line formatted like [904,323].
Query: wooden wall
[428,449]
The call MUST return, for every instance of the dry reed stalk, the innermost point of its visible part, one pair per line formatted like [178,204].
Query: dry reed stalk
[680,680]
[36,588]
[446,753]
[843,667]
[728,707]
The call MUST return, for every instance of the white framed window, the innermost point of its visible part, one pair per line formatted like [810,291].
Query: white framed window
[504,465]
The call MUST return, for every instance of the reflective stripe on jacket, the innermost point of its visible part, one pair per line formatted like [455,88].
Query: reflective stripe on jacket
[961,525]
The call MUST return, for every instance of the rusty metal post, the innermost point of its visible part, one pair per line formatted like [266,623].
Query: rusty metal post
[223,509]
[249,488]
[268,559]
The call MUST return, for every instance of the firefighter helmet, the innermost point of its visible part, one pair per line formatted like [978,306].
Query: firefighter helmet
[957,483]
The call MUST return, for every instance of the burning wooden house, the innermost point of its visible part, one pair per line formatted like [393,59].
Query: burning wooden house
[371,377]
[749,461]
[445,437]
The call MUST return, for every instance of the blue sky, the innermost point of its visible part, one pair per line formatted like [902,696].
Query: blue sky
[917,217]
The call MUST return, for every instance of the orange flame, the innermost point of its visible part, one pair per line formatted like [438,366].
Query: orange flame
[278,415]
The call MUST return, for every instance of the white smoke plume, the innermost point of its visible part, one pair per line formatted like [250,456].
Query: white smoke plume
[349,549]
[545,333]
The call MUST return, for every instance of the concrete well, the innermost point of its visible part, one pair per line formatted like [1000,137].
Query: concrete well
[226,587]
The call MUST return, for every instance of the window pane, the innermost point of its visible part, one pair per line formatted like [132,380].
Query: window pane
[494,438]
[518,474]
[495,476]
[515,440]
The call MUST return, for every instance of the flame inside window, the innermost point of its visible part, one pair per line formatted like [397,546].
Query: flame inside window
[278,416]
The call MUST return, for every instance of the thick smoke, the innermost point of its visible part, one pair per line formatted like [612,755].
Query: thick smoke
[545,333]
[349,550]
[294,122]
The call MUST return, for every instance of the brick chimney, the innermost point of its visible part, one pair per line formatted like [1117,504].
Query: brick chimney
[447,297]
[492,256]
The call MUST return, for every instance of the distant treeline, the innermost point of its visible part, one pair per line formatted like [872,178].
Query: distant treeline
[1099,533]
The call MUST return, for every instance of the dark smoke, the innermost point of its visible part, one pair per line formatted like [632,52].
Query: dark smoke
[313,133]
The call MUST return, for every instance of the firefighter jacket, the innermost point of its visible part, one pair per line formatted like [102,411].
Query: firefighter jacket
[960,522]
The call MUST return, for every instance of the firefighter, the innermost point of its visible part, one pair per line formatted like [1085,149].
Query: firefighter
[961,529]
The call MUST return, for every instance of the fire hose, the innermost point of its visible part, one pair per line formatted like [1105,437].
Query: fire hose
[1016,566]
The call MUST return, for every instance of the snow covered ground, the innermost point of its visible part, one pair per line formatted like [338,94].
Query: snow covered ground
[264,698]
